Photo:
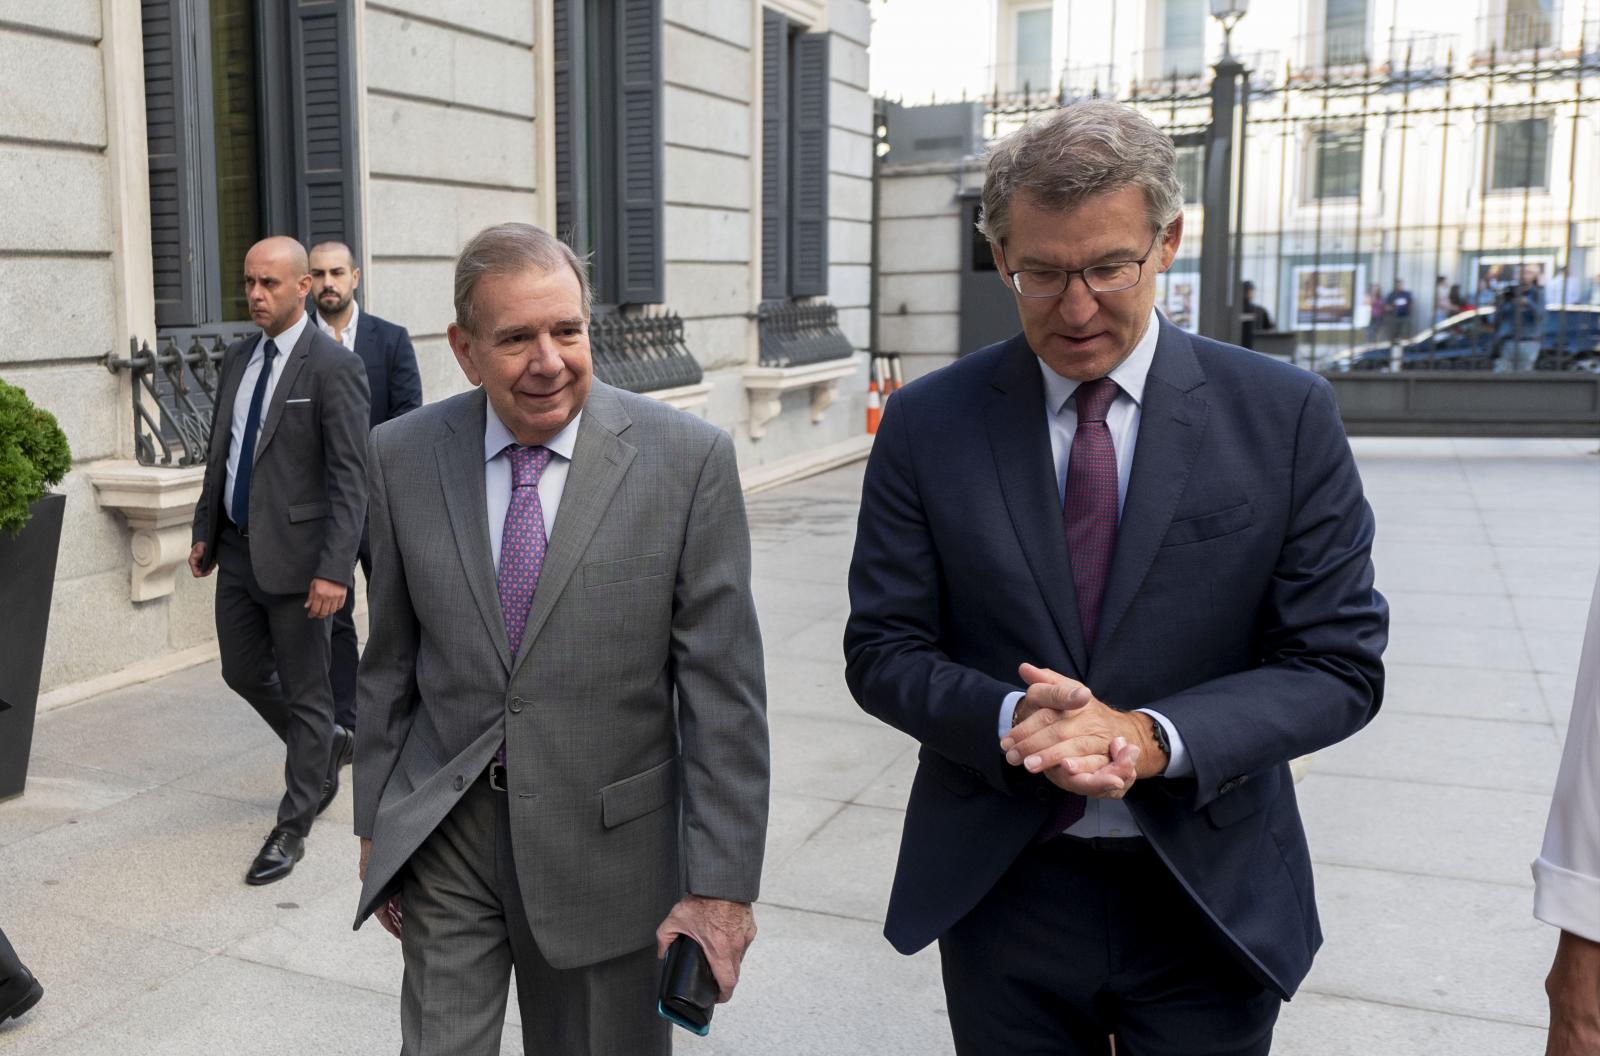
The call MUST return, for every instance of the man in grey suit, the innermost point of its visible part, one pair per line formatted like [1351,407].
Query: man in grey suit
[280,512]
[562,758]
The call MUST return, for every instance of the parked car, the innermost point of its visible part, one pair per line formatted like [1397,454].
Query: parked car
[1467,341]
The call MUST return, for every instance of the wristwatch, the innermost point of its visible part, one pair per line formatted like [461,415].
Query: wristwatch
[1159,733]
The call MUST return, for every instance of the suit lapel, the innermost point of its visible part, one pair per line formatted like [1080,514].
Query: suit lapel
[1171,424]
[233,368]
[1015,418]
[291,370]
[600,460]
[367,342]
[461,476]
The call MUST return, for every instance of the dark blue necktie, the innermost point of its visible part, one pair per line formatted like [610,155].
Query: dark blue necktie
[247,448]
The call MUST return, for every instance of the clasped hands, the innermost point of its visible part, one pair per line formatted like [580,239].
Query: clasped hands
[1061,730]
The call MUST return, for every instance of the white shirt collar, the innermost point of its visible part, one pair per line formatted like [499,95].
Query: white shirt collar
[496,436]
[349,328]
[285,341]
[1129,375]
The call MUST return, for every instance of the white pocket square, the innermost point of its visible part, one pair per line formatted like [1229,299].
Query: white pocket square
[298,399]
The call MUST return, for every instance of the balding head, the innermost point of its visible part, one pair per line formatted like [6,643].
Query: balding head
[276,282]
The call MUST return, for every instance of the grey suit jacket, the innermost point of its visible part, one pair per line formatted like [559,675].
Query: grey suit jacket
[308,490]
[634,713]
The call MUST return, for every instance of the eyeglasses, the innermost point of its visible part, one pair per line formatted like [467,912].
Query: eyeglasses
[1100,278]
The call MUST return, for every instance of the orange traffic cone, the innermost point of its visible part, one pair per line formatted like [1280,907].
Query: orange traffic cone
[874,407]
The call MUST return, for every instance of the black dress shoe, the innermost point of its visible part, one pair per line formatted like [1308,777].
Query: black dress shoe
[18,994]
[349,753]
[277,858]
[343,744]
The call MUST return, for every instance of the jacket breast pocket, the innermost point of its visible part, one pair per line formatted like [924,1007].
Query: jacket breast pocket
[601,573]
[1209,525]
[307,511]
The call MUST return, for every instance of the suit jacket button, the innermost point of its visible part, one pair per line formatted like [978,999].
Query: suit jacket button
[516,705]
[461,782]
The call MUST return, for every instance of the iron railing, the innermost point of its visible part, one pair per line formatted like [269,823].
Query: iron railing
[794,335]
[642,353]
[1426,195]
[174,389]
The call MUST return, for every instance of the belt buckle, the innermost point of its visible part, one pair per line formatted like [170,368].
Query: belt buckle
[497,776]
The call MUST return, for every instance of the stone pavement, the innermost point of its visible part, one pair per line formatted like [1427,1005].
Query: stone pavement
[120,869]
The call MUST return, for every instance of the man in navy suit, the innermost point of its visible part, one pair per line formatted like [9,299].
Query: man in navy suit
[396,387]
[1113,578]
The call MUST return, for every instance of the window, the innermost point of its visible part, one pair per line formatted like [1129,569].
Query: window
[1183,39]
[794,160]
[1344,27]
[1528,24]
[608,147]
[250,116]
[1519,154]
[1032,49]
[1191,172]
[1336,164]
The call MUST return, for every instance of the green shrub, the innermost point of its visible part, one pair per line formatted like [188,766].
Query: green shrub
[34,456]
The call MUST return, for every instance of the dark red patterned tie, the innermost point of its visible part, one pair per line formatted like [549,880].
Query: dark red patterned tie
[1089,513]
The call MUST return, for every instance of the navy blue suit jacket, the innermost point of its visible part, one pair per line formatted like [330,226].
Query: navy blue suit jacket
[1240,604]
[385,348]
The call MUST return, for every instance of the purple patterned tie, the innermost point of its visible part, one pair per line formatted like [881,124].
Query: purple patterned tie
[522,544]
[1089,513]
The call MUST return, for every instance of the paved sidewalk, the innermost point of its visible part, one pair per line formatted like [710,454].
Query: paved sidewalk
[121,869]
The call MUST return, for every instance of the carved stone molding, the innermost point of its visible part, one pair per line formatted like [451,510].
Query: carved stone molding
[766,386]
[158,503]
[689,398]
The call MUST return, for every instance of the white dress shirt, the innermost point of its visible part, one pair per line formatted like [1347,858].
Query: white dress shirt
[348,338]
[1105,817]
[247,387]
[1566,875]
[497,475]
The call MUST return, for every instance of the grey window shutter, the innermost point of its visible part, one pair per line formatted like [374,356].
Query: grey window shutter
[322,74]
[774,156]
[639,152]
[171,115]
[808,232]
[566,39]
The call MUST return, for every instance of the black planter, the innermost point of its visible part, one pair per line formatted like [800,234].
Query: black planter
[27,577]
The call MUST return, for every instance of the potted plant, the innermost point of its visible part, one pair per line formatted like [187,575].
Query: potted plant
[33,458]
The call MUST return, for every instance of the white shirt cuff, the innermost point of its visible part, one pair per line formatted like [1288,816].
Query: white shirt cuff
[1008,708]
[1566,899]
[1178,764]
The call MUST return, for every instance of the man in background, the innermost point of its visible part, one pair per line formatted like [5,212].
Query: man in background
[1519,324]
[1399,304]
[280,513]
[392,378]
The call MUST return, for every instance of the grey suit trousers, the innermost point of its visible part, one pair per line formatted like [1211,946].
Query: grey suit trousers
[465,929]
[276,658]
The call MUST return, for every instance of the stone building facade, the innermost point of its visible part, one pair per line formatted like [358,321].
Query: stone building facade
[403,127]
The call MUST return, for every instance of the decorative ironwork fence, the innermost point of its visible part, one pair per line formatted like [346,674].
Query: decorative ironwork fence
[1469,159]
[174,388]
[793,335]
[642,353]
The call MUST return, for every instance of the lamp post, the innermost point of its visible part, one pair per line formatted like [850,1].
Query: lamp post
[1220,299]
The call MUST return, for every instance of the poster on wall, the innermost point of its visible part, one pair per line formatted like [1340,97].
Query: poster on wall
[1329,297]
[1179,298]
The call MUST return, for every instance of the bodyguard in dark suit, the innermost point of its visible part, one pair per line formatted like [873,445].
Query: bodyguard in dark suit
[1113,577]
[280,513]
[392,379]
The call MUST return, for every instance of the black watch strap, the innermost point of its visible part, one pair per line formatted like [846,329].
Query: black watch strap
[1159,732]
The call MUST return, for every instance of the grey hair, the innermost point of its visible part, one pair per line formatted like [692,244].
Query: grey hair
[510,249]
[1082,150]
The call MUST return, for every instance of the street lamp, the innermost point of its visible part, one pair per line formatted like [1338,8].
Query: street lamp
[1228,12]
[1223,186]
